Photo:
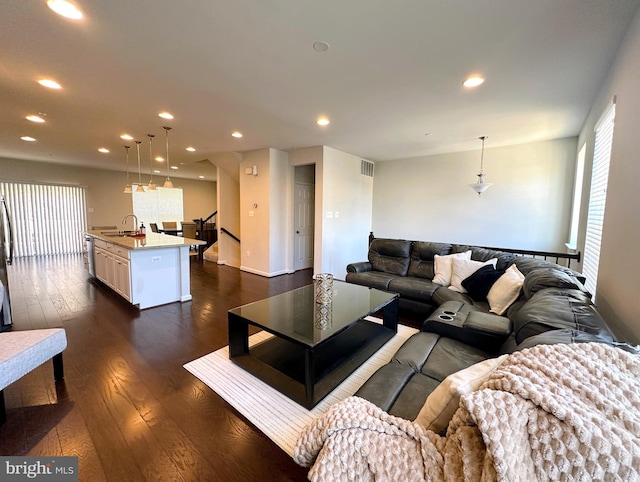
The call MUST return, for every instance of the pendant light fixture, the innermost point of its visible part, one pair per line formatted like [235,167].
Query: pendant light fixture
[480,186]
[140,188]
[167,183]
[151,186]
[127,188]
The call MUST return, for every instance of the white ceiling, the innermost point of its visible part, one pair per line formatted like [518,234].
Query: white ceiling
[392,74]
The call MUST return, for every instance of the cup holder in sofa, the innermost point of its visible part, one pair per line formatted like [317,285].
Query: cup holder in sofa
[445,317]
[449,313]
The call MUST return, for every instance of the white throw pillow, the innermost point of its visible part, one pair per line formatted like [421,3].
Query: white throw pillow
[438,409]
[461,269]
[505,290]
[442,266]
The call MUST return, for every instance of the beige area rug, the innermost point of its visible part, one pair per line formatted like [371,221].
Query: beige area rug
[276,415]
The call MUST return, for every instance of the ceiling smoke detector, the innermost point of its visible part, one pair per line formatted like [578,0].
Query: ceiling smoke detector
[321,46]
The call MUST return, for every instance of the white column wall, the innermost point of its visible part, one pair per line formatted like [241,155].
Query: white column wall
[280,215]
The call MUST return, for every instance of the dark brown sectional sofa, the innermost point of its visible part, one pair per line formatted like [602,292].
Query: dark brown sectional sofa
[553,307]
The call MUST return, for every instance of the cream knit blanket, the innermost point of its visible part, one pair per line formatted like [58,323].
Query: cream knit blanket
[551,412]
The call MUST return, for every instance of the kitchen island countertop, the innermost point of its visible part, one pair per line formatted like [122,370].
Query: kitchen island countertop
[150,241]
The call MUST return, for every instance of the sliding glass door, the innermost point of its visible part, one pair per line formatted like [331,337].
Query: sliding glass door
[47,218]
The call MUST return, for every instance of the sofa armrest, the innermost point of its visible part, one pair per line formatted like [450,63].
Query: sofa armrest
[456,320]
[360,267]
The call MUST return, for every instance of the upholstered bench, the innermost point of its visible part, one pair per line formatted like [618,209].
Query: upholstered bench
[23,351]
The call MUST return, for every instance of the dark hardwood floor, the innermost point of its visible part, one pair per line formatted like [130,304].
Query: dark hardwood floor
[127,408]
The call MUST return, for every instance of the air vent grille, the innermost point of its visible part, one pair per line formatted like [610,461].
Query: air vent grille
[366,168]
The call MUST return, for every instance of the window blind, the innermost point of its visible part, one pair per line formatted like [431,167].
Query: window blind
[158,206]
[46,219]
[597,197]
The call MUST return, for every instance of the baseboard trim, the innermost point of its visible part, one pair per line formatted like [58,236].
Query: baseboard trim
[264,273]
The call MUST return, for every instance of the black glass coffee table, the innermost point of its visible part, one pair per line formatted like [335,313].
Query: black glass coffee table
[315,346]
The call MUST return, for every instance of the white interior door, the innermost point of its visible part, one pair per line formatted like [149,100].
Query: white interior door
[303,220]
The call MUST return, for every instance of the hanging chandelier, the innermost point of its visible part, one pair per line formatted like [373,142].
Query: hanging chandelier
[127,187]
[140,188]
[480,186]
[151,186]
[167,182]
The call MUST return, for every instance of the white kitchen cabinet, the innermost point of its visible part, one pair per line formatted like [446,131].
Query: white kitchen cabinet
[104,268]
[122,275]
[112,268]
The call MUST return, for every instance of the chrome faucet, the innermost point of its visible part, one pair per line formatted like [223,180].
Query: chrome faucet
[135,218]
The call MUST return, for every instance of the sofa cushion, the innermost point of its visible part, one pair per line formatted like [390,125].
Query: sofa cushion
[550,278]
[480,282]
[554,337]
[411,399]
[414,288]
[442,403]
[373,279]
[553,309]
[443,294]
[461,269]
[390,255]
[443,266]
[386,384]
[527,265]
[422,255]
[485,254]
[449,356]
[505,290]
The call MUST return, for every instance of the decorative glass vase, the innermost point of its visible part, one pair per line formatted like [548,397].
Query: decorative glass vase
[323,288]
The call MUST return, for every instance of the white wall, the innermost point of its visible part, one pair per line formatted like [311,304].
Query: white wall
[254,221]
[528,206]
[280,212]
[265,229]
[106,203]
[228,218]
[339,188]
[618,281]
[346,207]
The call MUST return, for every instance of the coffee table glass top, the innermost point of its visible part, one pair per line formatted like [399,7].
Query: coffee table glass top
[296,316]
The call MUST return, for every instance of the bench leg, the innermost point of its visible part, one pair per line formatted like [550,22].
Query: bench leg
[3,413]
[58,368]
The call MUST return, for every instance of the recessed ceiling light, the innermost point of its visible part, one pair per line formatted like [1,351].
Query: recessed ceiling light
[65,8]
[28,138]
[473,81]
[156,171]
[159,158]
[165,115]
[237,134]
[174,167]
[51,84]
[126,137]
[35,118]
[190,149]
[104,150]
[323,121]
[200,177]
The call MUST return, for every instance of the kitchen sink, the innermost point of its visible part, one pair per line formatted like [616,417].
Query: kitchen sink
[118,234]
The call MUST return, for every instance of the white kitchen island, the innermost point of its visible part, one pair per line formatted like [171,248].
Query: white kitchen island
[146,271]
